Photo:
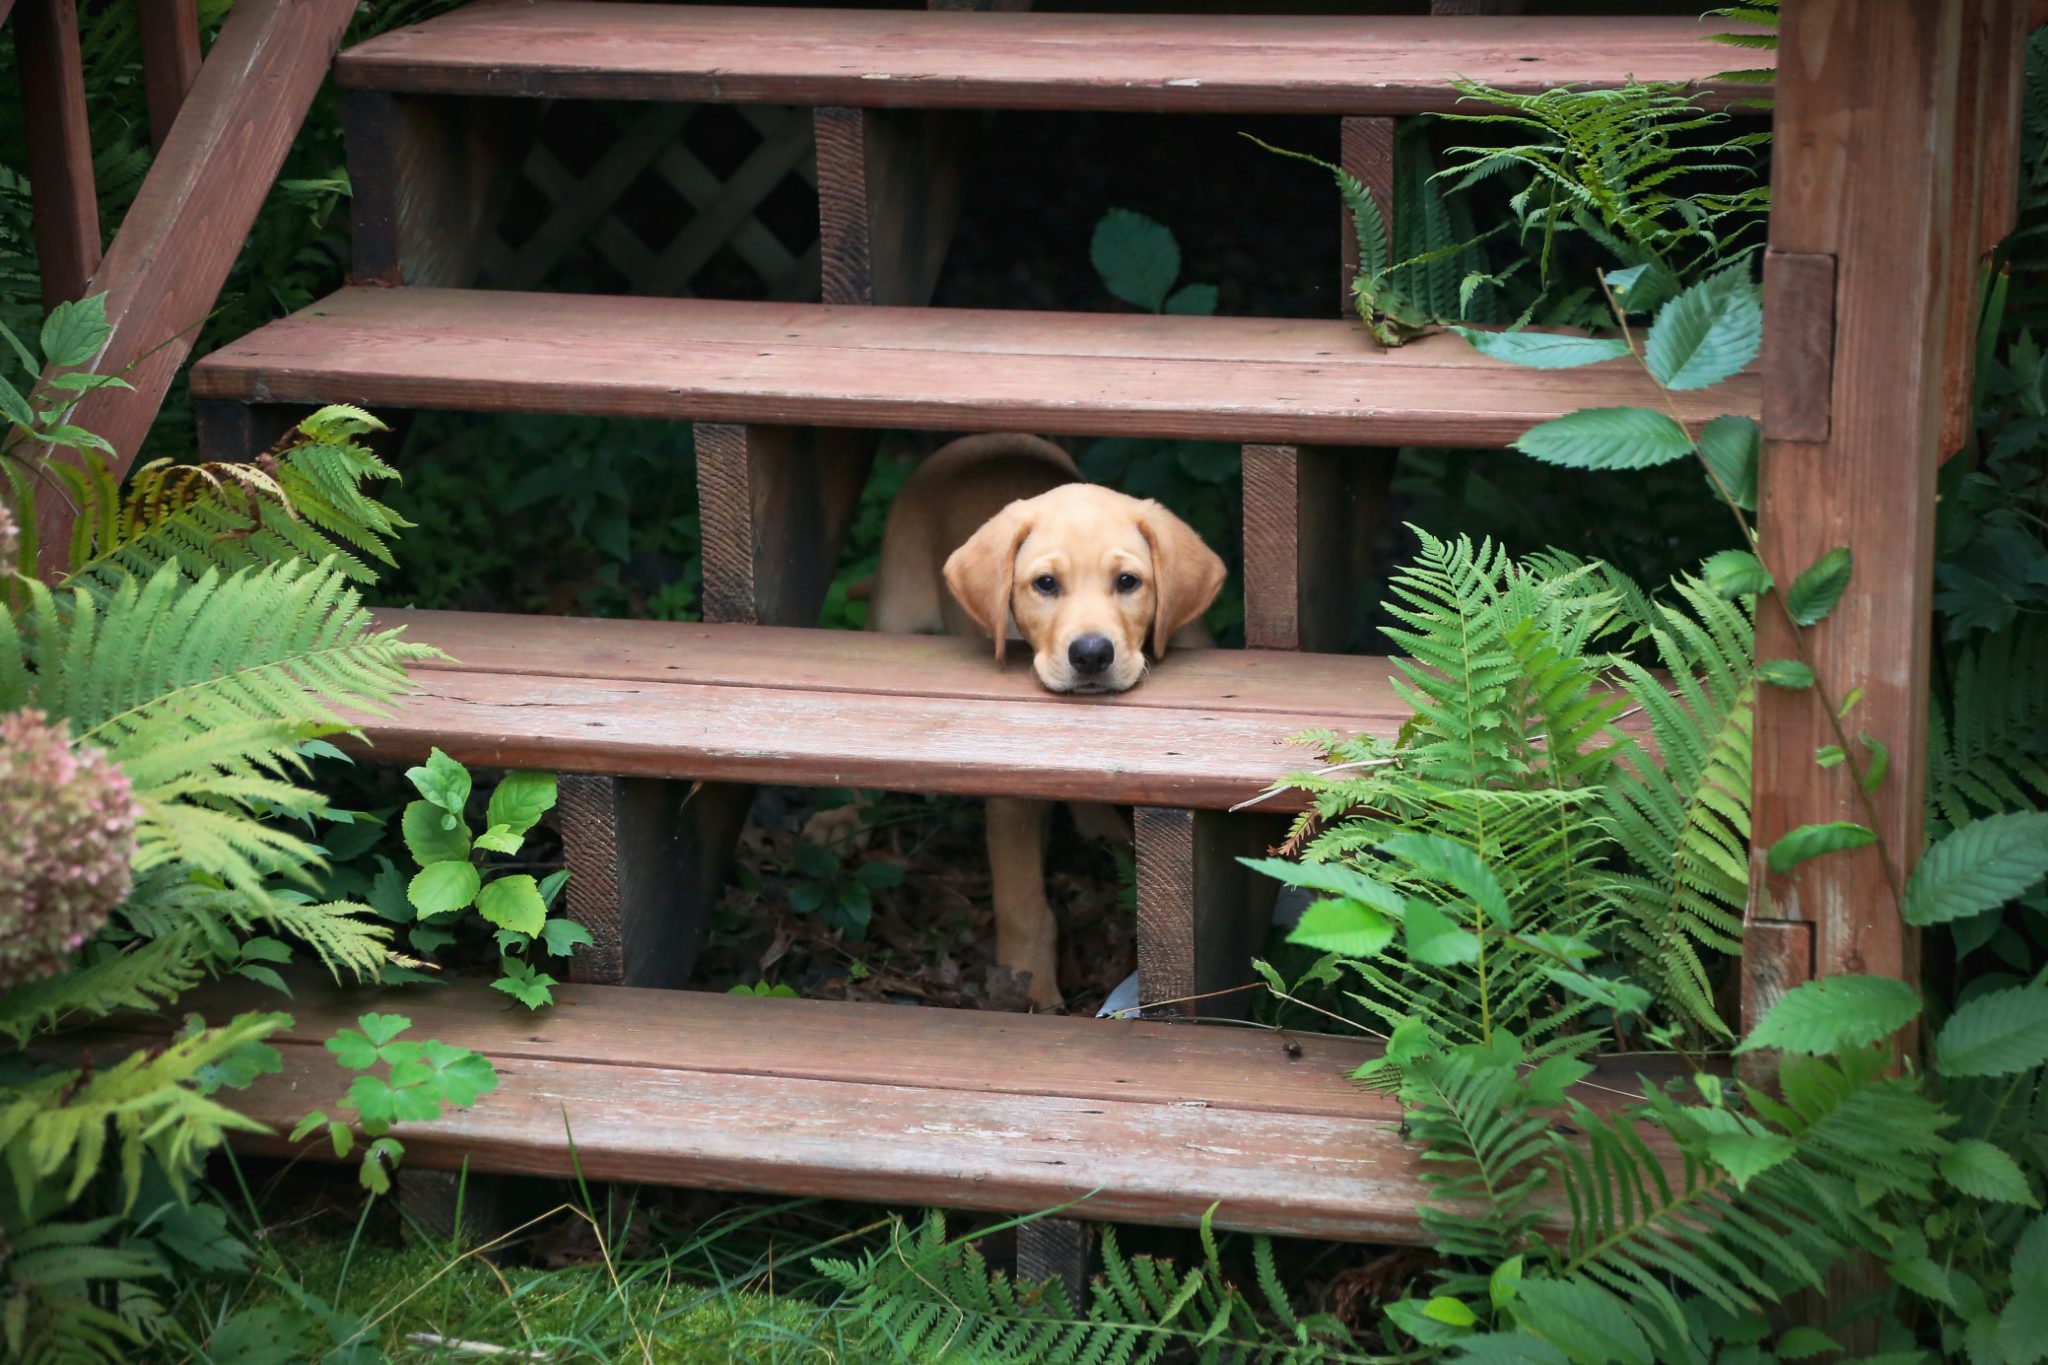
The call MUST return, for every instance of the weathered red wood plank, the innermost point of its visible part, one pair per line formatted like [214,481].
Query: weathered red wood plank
[1256,379]
[911,59]
[172,254]
[1869,182]
[169,30]
[67,210]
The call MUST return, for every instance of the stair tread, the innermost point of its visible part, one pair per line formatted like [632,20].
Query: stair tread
[937,59]
[1150,1122]
[1099,374]
[1208,728]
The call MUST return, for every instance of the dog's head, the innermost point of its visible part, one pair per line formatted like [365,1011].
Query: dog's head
[1088,574]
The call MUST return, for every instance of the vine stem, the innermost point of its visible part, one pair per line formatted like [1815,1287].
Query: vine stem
[1857,770]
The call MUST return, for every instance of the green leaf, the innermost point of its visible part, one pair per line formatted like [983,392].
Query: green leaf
[1457,866]
[352,1050]
[1434,940]
[513,903]
[1814,841]
[1984,1170]
[1706,334]
[1620,995]
[440,887]
[1334,878]
[530,988]
[879,874]
[14,407]
[2023,1326]
[1543,350]
[499,839]
[1830,756]
[1786,673]
[1193,301]
[1642,288]
[559,936]
[380,1158]
[1747,1155]
[1592,1325]
[1735,573]
[382,1028]
[1880,762]
[1729,446]
[1449,1310]
[1607,438]
[442,781]
[1507,1348]
[520,800]
[1344,926]
[1834,1014]
[429,835]
[551,886]
[1995,1034]
[1978,867]
[1506,1278]
[1800,1343]
[1814,593]
[457,1074]
[1136,257]
[75,331]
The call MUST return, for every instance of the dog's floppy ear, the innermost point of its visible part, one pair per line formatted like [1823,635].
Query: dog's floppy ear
[1186,573]
[980,571]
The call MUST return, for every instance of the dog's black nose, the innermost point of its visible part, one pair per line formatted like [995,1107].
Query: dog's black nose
[1091,653]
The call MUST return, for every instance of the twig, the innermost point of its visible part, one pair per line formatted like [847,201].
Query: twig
[472,1348]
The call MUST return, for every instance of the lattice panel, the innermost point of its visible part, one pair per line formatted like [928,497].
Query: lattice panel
[666,198]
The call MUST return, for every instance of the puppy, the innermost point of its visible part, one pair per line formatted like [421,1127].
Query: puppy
[997,534]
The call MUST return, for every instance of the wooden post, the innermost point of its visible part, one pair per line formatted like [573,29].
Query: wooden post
[67,210]
[1869,183]
[169,30]
[1201,914]
[774,504]
[888,197]
[429,177]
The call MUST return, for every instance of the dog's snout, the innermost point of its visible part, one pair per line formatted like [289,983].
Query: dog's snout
[1091,653]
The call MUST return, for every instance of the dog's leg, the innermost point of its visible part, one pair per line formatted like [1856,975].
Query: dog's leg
[1027,937]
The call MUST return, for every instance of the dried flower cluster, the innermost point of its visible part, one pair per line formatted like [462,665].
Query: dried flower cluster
[67,833]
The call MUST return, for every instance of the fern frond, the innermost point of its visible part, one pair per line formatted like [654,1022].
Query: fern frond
[146,975]
[1987,745]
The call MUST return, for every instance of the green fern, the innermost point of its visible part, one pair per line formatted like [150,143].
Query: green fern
[1985,749]
[1682,817]
[145,975]
[928,1297]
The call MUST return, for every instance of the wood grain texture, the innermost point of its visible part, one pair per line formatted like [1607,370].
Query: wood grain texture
[645,859]
[1200,912]
[1777,955]
[428,178]
[889,188]
[774,503]
[1241,379]
[1312,515]
[1183,63]
[1137,1121]
[1867,180]
[61,187]
[169,31]
[1056,1249]
[166,265]
[1365,148]
[1799,345]
[1272,560]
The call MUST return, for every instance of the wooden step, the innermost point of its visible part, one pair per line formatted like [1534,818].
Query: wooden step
[1207,730]
[1147,1122]
[1178,63]
[1083,374]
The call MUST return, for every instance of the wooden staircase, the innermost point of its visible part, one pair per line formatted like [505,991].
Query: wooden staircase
[660,726]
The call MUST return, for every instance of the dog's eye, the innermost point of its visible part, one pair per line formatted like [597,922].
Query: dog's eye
[1127,582]
[1046,584]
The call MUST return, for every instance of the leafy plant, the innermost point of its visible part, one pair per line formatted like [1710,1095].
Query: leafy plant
[451,881]
[420,1079]
[841,896]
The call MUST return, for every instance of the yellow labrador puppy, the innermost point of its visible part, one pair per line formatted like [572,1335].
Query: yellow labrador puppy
[997,534]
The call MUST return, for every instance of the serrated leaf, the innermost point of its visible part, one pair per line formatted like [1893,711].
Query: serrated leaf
[352,1049]
[1642,288]
[1457,866]
[1978,867]
[1136,257]
[1334,878]
[1995,1034]
[1345,926]
[2023,1325]
[1729,447]
[1800,1343]
[1434,940]
[1786,673]
[560,936]
[534,992]
[442,781]
[1591,1324]
[1735,573]
[458,1074]
[427,836]
[382,1028]
[520,800]
[513,903]
[307,1126]
[14,407]
[500,839]
[1607,438]
[74,332]
[1984,1170]
[441,887]
[1815,841]
[551,886]
[1543,350]
[1747,1155]
[1706,334]
[1815,592]
[1835,1014]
